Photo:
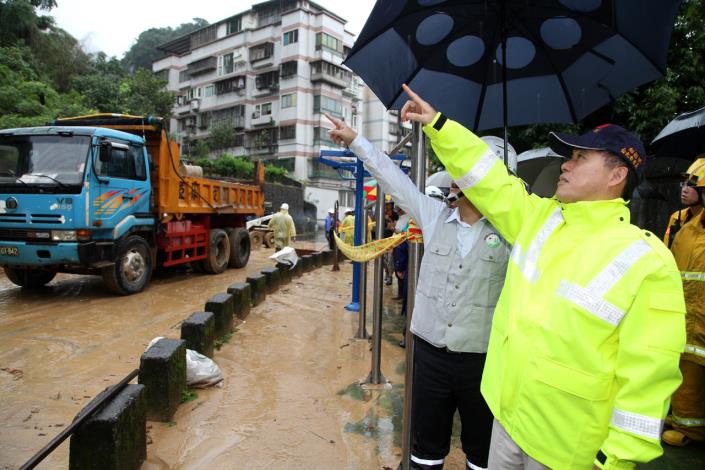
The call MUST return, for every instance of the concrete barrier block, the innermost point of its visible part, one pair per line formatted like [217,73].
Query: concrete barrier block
[328,256]
[163,373]
[307,263]
[258,286]
[198,331]
[114,438]
[285,273]
[318,259]
[272,276]
[222,306]
[241,299]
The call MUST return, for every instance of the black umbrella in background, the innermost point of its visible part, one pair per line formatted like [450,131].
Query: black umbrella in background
[497,63]
[684,137]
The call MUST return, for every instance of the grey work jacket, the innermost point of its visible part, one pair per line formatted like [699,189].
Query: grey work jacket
[456,296]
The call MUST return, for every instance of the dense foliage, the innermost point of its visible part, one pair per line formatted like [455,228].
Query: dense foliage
[45,73]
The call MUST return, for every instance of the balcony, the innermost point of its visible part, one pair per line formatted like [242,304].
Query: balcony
[330,79]
[265,90]
[262,120]
[198,67]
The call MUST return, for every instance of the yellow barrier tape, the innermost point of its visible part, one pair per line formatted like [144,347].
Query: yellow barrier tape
[375,249]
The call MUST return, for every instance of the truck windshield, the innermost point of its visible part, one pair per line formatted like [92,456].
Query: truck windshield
[46,160]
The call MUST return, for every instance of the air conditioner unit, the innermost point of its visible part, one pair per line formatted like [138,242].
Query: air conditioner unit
[255,115]
[190,121]
[195,104]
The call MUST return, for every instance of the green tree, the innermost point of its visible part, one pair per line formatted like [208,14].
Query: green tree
[144,51]
[100,87]
[222,136]
[144,94]
[200,149]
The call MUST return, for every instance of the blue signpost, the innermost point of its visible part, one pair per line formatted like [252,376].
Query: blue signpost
[349,170]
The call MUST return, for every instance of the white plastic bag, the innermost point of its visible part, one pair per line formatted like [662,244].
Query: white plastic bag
[286,255]
[201,371]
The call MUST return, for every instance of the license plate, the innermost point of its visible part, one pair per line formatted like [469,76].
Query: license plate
[9,251]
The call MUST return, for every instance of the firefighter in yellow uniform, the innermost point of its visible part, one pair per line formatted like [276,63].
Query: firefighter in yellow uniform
[688,247]
[689,198]
[283,226]
[587,335]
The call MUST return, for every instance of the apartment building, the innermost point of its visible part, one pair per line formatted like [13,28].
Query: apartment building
[270,73]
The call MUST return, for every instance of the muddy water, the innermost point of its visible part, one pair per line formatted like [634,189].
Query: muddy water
[291,397]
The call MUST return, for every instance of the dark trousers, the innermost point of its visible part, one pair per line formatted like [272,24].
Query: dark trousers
[443,382]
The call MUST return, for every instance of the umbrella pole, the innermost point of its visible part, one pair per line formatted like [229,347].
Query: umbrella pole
[505,112]
[418,170]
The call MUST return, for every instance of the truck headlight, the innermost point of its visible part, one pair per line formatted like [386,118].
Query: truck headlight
[63,235]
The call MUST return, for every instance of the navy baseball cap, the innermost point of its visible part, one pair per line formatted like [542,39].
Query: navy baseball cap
[609,137]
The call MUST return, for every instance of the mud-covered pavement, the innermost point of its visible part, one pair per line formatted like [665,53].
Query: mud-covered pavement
[291,397]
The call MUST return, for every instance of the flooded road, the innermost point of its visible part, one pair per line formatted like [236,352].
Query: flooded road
[291,398]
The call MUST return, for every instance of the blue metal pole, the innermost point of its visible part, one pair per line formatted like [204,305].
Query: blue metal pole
[360,225]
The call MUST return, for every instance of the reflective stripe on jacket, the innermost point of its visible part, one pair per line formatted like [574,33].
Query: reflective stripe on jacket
[588,330]
[689,250]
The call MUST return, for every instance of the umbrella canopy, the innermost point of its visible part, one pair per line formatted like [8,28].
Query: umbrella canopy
[546,61]
[540,168]
[684,137]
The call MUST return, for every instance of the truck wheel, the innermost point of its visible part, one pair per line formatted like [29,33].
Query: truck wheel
[256,240]
[132,269]
[218,252]
[29,278]
[269,239]
[239,247]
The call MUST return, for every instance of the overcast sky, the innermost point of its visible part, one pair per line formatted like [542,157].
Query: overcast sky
[112,26]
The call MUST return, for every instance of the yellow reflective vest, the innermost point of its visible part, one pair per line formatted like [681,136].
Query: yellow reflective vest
[587,335]
[689,250]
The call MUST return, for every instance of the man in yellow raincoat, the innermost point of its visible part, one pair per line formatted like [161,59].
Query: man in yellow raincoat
[688,247]
[587,334]
[283,226]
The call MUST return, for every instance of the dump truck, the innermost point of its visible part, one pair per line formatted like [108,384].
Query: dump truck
[107,194]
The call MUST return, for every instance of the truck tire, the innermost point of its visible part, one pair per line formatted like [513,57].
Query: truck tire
[218,252]
[256,240]
[269,239]
[239,247]
[29,278]
[132,269]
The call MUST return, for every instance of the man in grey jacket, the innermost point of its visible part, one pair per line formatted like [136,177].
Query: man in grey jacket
[460,279]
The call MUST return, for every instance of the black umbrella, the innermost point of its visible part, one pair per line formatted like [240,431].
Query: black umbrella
[498,63]
[684,137]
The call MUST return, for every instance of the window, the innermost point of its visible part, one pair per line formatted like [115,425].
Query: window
[291,37]
[163,75]
[231,117]
[239,140]
[203,36]
[184,76]
[209,91]
[288,69]
[126,162]
[229,85]
[324,40]
[233,25]
[288,101]
[267,80]
[321,137]
[262,51]
[287,132]
[332,70]
[264,109]
[323,104]
[226,64]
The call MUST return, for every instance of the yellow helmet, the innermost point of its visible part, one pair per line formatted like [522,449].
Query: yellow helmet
[695,174]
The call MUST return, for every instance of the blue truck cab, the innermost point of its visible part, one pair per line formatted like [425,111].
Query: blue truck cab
[70,198]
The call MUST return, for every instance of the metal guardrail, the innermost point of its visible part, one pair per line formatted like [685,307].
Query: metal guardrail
[80,419]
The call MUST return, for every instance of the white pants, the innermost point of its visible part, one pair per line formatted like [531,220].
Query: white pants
[505,454]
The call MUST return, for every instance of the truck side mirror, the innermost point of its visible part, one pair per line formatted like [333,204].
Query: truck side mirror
[105,152]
